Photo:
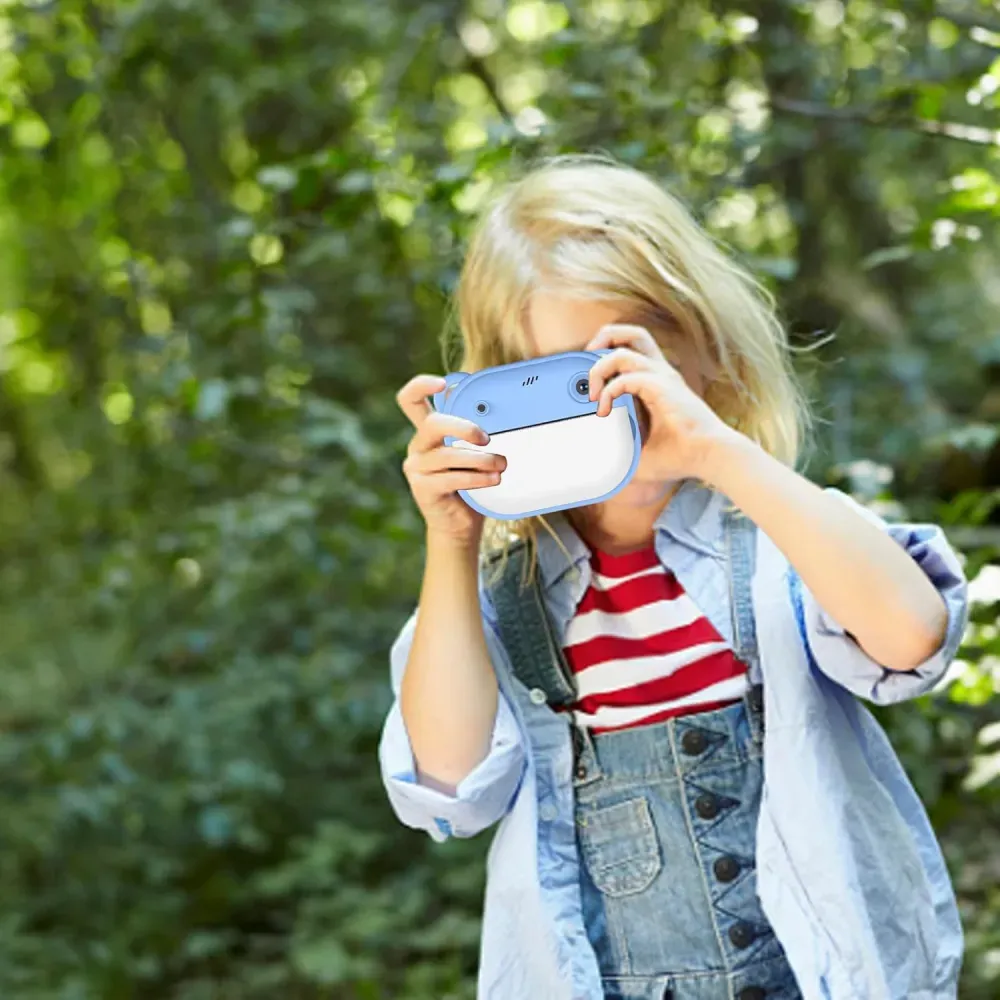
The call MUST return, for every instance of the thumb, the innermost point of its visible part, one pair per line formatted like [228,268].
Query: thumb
[642,414]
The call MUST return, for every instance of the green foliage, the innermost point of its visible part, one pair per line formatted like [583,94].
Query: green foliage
[228,235]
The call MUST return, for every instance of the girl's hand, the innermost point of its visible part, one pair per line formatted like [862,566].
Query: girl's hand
[681,433]
[436,471]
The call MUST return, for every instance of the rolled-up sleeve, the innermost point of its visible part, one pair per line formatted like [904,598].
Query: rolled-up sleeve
[483,796]
[837,654]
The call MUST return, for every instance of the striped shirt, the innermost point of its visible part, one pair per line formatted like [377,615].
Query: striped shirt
[641,651]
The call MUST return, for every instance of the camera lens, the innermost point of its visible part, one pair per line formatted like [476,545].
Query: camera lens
[482,407]
[579,387]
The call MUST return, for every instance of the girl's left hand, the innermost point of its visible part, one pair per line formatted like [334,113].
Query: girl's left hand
[682,434]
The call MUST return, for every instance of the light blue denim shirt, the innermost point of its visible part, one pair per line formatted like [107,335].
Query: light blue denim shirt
[849,872]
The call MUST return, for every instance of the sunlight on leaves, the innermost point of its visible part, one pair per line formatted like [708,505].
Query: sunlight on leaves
[118,404]
[466,134]
[266,249]
[30,131]
[533,20]
[155,318]
[248,197]
[942,34]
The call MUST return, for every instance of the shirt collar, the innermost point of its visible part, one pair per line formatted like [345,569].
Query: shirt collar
[693,517]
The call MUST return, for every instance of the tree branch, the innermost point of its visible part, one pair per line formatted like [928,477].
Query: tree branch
[969,18]
[478,68]
[973,537]
[874,118]
[476,65]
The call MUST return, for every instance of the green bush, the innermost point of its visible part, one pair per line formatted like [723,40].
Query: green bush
[229,234]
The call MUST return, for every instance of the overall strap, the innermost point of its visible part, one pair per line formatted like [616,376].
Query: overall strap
[740,534]
[528,635]
[741,538]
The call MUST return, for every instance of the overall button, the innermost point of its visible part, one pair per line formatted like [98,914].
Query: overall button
[581,771]
[694,742]
[752,993]
[707,806]
[726,868]
[537,695]
[742,935]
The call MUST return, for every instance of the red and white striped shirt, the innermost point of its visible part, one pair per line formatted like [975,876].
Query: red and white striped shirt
[641,650]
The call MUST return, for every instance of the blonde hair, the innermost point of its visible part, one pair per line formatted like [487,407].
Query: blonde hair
[587,226]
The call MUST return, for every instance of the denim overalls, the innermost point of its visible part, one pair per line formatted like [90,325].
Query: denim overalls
[666,818]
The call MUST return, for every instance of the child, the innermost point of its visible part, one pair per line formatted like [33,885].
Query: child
[656,694]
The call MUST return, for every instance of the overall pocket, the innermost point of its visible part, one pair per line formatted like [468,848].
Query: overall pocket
[619,846]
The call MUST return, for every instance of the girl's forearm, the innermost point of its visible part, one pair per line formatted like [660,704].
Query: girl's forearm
[859,574]
[449,692]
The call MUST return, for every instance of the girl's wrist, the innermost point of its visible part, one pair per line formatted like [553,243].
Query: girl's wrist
[722,455]
[448,546]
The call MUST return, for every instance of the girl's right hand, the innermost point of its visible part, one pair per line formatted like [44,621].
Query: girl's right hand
[436,471]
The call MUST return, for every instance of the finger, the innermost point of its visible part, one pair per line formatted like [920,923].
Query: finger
[614,364]
[645,386]
[437,426]
[413,397]
[452,459]
[443,483]
[638,338]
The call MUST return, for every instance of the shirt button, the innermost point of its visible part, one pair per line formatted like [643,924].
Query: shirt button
[694,742]
[581,772]
[548,812]
[726,868]
[707,806]
[752,993]
[742,935]
[537,695]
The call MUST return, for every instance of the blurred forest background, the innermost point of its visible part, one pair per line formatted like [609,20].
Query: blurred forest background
[228,232]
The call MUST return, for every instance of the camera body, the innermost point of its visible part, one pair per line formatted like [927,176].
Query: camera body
[539,416]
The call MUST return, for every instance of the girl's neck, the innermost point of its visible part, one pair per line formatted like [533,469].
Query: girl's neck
[622,525]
